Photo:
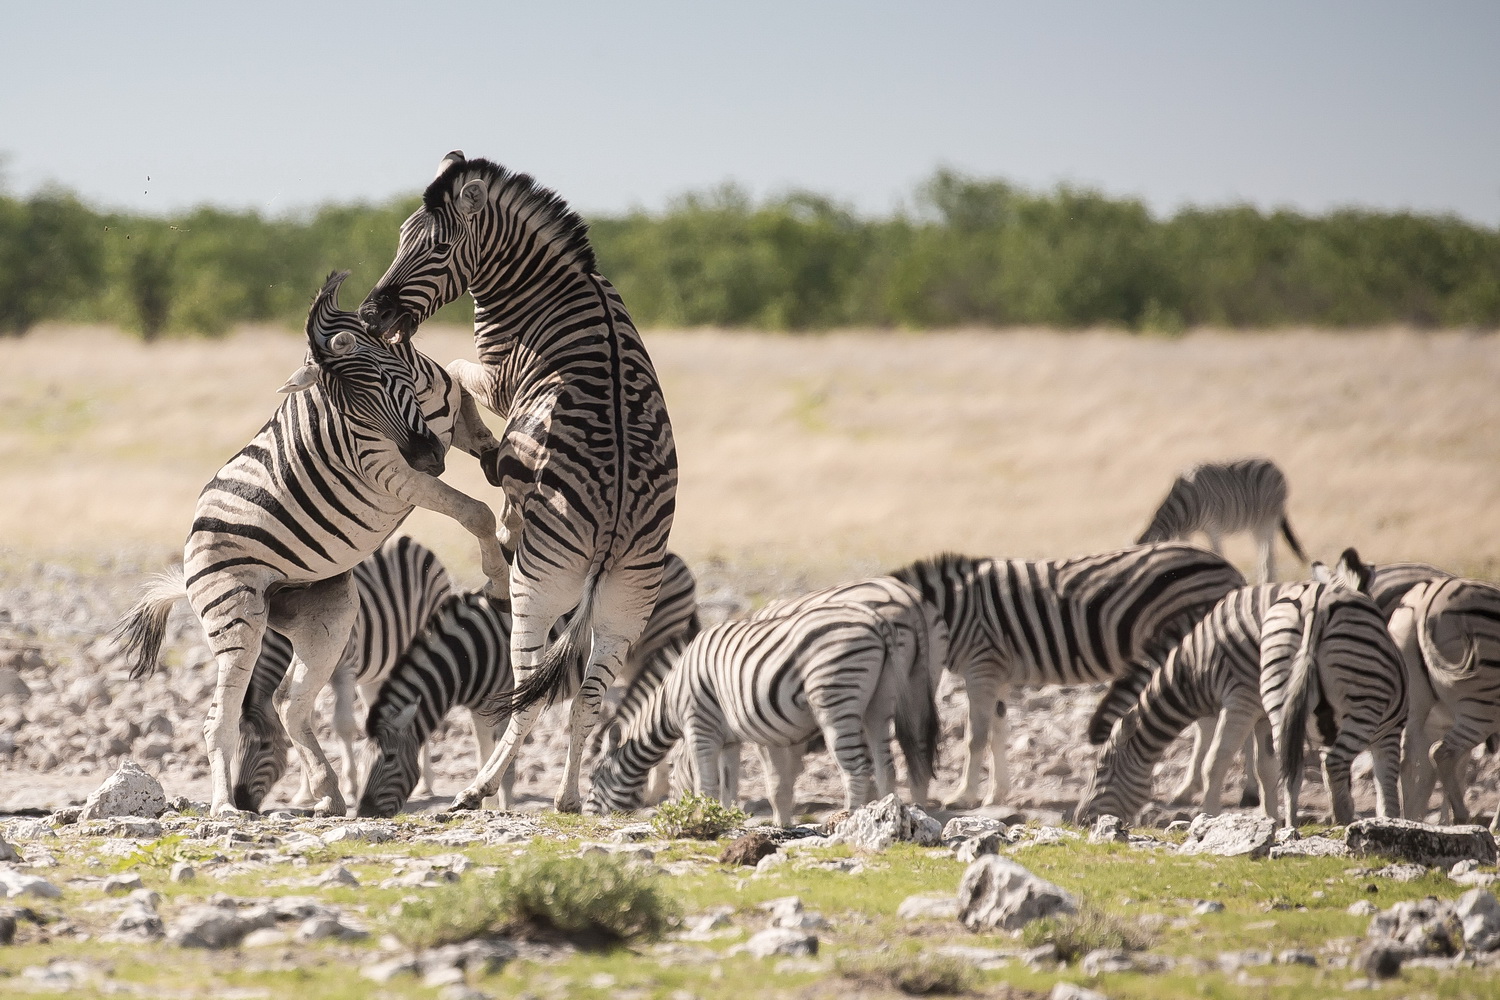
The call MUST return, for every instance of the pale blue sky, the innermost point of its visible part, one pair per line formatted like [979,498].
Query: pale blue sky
[280,106]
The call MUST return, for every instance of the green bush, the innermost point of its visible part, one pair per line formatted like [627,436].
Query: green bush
[697,817]
[1088,929]
[595,901]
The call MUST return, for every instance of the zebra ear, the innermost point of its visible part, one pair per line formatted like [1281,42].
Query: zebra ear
[341,343]
[303,378]
[1321,574]
[404,718]
[454,156]
[471,197]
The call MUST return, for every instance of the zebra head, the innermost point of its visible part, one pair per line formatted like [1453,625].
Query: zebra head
[1116,787]
[366,382]
[395,769]
[436,254]
[614,788]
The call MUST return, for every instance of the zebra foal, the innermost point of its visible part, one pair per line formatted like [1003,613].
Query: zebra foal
[462,659]
[1071,621]
[398,588]
[347,456]
[588,465]
[1221,498]
[1268,660]
[830,666]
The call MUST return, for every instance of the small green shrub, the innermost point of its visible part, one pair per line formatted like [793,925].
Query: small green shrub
[920,975]
[594,901]
[1077,935]
[161,853]
[697,817]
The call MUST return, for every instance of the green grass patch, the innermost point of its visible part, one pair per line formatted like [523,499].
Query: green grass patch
[1077,934]
[919,975]
[595,900]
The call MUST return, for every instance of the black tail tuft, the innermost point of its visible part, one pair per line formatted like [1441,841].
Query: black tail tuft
[1291,539]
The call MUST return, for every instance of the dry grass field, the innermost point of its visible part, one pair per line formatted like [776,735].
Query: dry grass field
[829,455]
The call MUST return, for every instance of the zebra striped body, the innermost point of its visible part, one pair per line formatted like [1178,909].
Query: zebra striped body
[1220,499]
[1386,583]
[588,463]
[280,527]
[398,589]
[1448,631]
[462,659]
[1268,659]
[827,665]
[1072,621]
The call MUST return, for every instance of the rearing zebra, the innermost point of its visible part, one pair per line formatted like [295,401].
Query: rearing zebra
[398,588]
[1220,498]
[1070,621]
[277,531]
[588,463]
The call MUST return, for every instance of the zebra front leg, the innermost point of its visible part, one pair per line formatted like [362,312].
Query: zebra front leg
[782,765]
[235,627]
[477,518]
[485,735]
[317,619]
[1265,767]
[1250,792]
[1241,710]
[344,727]
[999,749]
[1192,782]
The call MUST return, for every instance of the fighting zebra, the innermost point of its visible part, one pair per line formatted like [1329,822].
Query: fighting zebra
[1268,661]
[1071,621]
[398,588]
[462,659]
[346,457]
[1448,631]
[588,466]
[1221,498]
[826,665]
[917,732]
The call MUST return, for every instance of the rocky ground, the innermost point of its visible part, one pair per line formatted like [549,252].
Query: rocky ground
[69,713]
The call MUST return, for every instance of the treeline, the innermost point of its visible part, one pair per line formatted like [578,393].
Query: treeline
[971,251]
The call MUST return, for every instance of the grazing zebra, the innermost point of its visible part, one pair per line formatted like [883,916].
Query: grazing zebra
[842,668]
[898,603]
[1448,631]
[1386,583]
[1269,659]
[398,587]
[1070,621]
[588,463]
[1221,498]
[278,530]
[462,658]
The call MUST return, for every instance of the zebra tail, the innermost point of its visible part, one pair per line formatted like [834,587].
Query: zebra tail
[141,631]
[1291,539]
[916,718]
[1302,696]
[1433,656]
[550,678]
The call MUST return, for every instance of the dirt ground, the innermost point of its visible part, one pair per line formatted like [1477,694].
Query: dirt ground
[804,460]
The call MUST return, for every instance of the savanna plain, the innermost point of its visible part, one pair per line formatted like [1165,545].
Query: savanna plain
[805,460]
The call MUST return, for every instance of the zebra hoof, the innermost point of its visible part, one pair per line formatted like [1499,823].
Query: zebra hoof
[326,806]
[227,811]
[466,800]
[962,803]
[568,804]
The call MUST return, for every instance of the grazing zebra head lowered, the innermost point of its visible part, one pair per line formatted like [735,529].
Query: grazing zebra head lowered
[367,383]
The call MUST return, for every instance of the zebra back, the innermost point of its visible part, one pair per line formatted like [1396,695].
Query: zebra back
[1221,497]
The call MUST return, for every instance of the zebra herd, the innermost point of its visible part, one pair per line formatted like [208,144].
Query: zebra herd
[295,573]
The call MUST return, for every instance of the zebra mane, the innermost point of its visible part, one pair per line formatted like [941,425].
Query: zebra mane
[518,195]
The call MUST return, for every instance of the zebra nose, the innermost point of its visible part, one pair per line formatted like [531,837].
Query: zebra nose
[426,456]
[377,314]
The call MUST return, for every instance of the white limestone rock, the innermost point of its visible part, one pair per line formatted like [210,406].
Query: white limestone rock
[998,894]
[130,791]
[878,825]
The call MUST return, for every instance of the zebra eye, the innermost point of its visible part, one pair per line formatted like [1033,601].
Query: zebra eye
[441,248]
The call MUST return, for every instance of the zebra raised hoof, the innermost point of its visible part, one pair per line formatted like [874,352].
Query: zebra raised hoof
[588,465]
[827,666]
[1222,498]
[398,588]
[1111,616]
[278,531]
[1283,662]
[461,658]
[1448,631]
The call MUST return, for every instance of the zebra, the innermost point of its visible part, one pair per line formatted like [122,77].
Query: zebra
[1071,621]
[1268,661]
[1448,631]
[588,464]
[1386,583]
[820,664]
[347,456]
[894,600]
[462,658]
[398,588]
[1220,498]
